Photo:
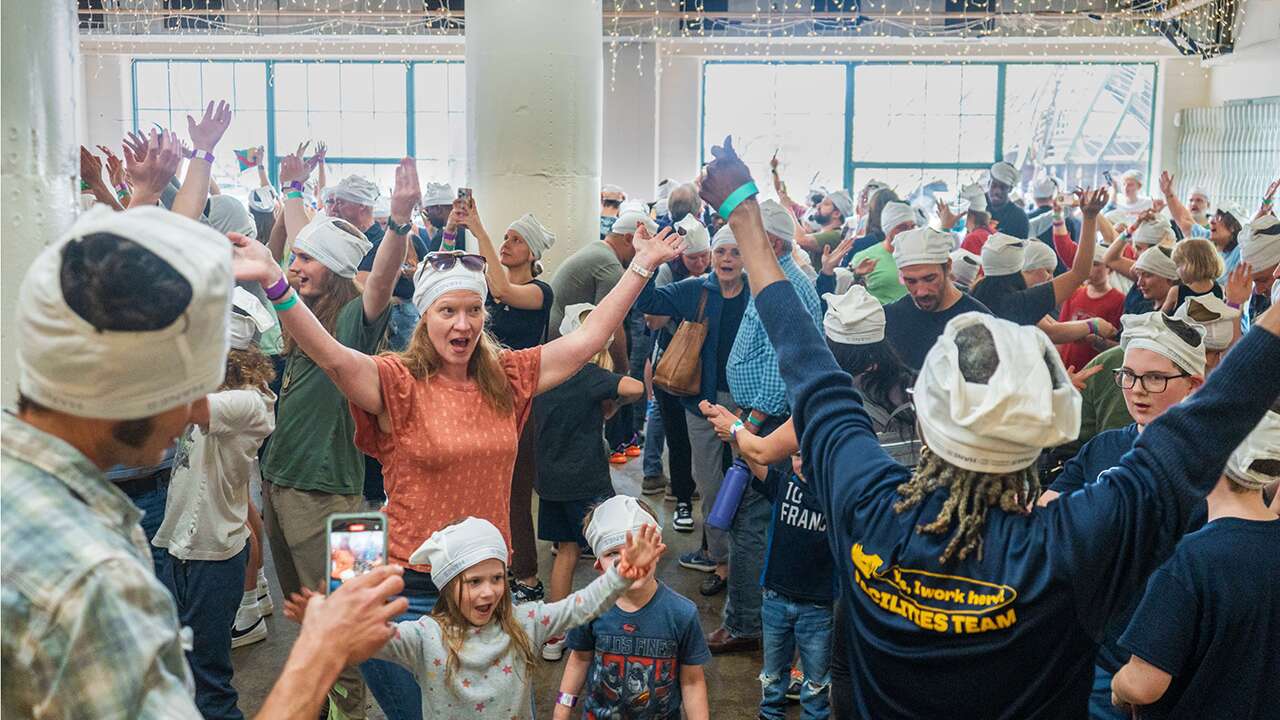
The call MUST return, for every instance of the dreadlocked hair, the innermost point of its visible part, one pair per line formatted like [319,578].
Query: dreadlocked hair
[971,494]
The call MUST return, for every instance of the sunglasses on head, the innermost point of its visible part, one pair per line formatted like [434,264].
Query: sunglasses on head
[444,261]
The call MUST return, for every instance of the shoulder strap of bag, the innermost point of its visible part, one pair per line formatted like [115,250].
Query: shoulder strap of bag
[702,306]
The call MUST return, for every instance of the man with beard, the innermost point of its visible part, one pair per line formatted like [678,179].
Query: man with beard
[1010,219]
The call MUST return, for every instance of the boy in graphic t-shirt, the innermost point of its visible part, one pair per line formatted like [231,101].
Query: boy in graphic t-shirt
[642,658]
[799,584]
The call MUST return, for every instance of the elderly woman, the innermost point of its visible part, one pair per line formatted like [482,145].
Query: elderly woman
[444,417]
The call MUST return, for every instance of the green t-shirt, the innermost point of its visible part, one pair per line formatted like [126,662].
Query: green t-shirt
[882,283]
[313,447]
[827,238]
[1102,406]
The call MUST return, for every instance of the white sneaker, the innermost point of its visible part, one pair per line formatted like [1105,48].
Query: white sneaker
[265,605]
[553,650]
[249,627]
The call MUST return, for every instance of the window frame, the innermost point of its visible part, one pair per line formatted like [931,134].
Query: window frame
[997,153]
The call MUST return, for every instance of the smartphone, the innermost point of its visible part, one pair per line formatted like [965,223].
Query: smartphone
[1107,175]
[356,543]
[464,193]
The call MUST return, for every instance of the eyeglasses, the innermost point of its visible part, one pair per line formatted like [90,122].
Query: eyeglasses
[444,261]
[1151,382]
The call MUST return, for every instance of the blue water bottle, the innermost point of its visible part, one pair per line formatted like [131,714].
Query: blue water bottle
[730,494]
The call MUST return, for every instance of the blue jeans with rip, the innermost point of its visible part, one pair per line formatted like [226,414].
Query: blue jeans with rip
[791,624]
[207,594]
[393,686]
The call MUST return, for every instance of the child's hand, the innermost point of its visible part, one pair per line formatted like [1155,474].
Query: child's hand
[641,553]
[295,606]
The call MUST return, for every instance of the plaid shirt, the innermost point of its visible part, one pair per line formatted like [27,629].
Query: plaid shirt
[752,371]
[89,632]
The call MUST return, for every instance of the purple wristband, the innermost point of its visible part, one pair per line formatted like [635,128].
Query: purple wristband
[278,290]
[295,185]
[446,235]
[204,155]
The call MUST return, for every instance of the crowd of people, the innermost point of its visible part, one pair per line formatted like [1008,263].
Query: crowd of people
[926,439]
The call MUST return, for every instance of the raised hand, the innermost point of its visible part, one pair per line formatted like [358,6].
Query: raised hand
[1166,183]
[640,553]
[724,174]
[206,133]
[322,151]
[466,215]
[251,260]
[866,267]
[149,172]
[653,251]
[357,618]
[294,168]
[945,215]
[407,191]
[90,168]
[831,257]
[1091,202]
[1239,285]
[1271,192]
[115,168]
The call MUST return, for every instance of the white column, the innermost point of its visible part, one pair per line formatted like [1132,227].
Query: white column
[534,79]
[38,63]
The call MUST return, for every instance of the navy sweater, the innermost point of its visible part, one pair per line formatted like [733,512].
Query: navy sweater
[1013,634]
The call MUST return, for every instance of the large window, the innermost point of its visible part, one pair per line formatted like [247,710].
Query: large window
[923,124]
[370,114]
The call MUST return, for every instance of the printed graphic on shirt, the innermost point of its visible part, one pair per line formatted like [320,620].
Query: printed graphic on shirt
[642,684]
[793,513]
[933,601]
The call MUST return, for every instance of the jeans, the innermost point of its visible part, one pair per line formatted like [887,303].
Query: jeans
[709,458]
[207,593]
[401,324]
[393,686]
[675,430]
[653,440]
[790,624]
[748,538]
[1100,707]
[152,506]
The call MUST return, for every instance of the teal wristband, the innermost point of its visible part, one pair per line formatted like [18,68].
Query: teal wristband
[293,194]
[286,304]
[736,197]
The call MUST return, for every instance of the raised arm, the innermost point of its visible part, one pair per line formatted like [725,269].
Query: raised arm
[524,297]
[150,163]
[389,258]
[322,152]
[565,355]
[115,173]
[352,371]
[1265,207]
[91,175]
[204,135]
[1091,203]
[1115,259]
[1179,212]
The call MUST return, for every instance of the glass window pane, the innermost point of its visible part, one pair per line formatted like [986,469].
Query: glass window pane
[251,86]
[430,87]
[291,129]
[357,87]
[184,86]
[323,89]
[147,120]
[152,84]
[457,86]
[290,81]
[327,127]
[932,113]
[217,83]
[388,87]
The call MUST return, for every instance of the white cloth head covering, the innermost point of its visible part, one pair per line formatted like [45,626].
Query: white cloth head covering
[921,246]
[358,190]
[1216,317]
[573,317]
[1001,426]
[660,207]
[229,215]
[1150,331]
[1198,190]
[636,205]
[844,280]
[723,236]
[612,519]
[1005,173]
[247,328]
[1045,186]
[1133,175]
[263,199]
[331,246]
[1153,232]
[535,234]
[382,208]
[429,284]
[854,318]
[629,219]
[1156,260]
[665,187]
[842,202]
[971,197]
[1261,444]
[965,266]
[437,193]
[1039,256]
[451,550]
[778,222]
[1261,247]
[696,236]
[1003,255]
[613,189]
[894,214]
[67,365]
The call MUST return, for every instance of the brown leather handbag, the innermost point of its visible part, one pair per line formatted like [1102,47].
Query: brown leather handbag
[679,372]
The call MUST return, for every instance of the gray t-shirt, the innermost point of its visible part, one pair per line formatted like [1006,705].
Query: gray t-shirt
[585,277]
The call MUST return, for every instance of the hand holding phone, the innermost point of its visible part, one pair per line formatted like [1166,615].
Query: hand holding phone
[356,543]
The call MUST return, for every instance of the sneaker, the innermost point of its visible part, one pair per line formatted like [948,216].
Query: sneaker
[249,627]
[713,585]
[265,604]
[682,521]
[797,680]
[697,561]
[521,593]
[584,553]
[618,458]
[553,649]
[633,451]
[653,484]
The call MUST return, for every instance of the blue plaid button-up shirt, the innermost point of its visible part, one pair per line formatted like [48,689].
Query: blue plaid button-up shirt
[89,632]
[752,370]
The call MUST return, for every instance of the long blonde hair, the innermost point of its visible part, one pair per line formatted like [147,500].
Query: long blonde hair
[454,627]
[423,361]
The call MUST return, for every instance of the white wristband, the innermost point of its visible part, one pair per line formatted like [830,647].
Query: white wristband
[640,270]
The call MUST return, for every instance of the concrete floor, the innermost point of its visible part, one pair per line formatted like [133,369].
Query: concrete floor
[732,684]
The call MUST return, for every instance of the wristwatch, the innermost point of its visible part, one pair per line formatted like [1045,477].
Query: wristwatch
[398,229]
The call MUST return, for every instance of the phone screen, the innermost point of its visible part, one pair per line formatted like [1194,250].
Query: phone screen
[357,544]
